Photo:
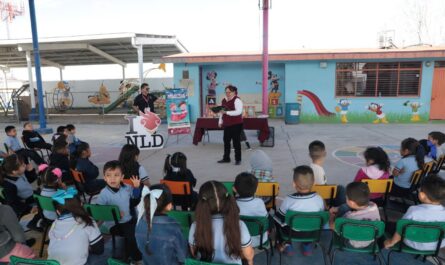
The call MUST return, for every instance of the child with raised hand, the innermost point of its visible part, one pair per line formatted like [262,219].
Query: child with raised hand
[377,167]
[413,158]
[159,237]
[16,178]
[51,180]
[80,161]
[128,159]
[218,235]
[437,139]
[12,237]
[317,152]
[245,187]
[126,198]
[60,158]
[73,235]
[357,207]
[304,200]
[175,169]
[431,196]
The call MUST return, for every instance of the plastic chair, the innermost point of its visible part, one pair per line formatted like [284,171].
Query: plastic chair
[112,261]
[180,189]
[347,230]
[327,192]
[439,164]
[310,222]
[268,189]
[428,168]
[35,149]
[14,260]
[229,186]
[198,262]
[45,204]
[383,186]
[128,182]
[419,232]
[106,213]
[79,181]
[257,226]
[416,181]
[185,220]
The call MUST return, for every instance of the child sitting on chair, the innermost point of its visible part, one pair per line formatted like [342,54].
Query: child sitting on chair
[317,152]
[33,139]
[261,166]
[431,196]
[60,158]
[245,187]
[14,146]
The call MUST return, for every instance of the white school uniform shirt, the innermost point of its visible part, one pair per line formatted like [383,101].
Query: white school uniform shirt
[319,174]
[219,240]
[70,240]
[253,207]
[311,202]
[425,213]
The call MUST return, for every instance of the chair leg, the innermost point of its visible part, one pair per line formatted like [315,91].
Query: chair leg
[113,249]
[45,231]
[333,256]
[389,256]
[323,253]
[268,259]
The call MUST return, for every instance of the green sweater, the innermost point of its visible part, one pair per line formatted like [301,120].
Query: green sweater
[10,230]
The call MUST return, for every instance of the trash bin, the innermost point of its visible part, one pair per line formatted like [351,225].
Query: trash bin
[292,113]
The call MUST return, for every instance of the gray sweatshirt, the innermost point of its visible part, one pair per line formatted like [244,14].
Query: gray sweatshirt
[10,230]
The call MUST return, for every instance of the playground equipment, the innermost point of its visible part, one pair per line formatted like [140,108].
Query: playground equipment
[62,97]
[319,107]
[14,96]
[100,98]
[129,87]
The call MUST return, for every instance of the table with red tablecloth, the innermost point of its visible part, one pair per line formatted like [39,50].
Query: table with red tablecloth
[206,124]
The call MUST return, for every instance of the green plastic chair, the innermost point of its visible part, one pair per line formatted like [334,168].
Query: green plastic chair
[45,204]
[112,261]
[22,261]
[419,232]
[229,186]
[197,262]
[185,220]
[106,213]
[347,230]
[257,226]
[310,222]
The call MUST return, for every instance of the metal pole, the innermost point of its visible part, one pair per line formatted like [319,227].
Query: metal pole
[123,72]
[265,54]
[31,82]
[61,74]
[141,63]
[35,45]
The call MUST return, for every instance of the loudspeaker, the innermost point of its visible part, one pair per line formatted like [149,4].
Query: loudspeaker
[185,74]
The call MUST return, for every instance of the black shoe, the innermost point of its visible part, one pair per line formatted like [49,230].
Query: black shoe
[237,163]
[224,161]
[30,242]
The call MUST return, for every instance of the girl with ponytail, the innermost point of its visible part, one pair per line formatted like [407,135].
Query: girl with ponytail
[159,237]
[413,158]
[218,235]
[73,235]
[175,169]
[51,180]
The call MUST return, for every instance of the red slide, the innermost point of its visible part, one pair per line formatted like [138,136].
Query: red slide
[321,110]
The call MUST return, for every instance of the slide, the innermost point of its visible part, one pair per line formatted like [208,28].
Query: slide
[121,99]
[321,110]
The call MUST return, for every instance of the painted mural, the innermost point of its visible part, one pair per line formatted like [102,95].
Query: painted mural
[343,108]
[275,104]
[415,106]
[378,110]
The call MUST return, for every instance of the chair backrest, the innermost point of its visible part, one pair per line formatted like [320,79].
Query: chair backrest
[268,189]
[439,164]
[359,230]
[306,221]
[416,179]
[257,225]
[78,176]
[379,185]
[421,232]
[112,261]
[197,262]
[178,187]
[185,219]
[14,260]
[428,167]
[6,148]
[103,212]
[229,186]
[45,203]
[327,192]
[128,182]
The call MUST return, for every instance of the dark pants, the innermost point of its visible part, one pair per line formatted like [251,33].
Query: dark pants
[95,185]
[41,145]
[127,230]
[28,153]
[232,133]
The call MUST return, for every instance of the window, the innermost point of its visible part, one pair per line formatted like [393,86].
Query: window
[388,79]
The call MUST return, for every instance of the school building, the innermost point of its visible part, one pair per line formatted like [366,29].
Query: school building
[350,85]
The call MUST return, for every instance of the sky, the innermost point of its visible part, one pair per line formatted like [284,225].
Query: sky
[232,25]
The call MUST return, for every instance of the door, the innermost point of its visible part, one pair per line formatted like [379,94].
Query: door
[437,111]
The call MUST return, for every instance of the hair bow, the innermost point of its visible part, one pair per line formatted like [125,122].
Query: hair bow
[61,195]
[42,167]
[154,195]
[57,172]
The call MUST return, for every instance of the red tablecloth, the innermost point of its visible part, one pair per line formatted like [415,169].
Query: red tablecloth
[203,124]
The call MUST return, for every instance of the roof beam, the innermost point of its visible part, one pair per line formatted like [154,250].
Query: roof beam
[51,63]
[54,47]
[105,55]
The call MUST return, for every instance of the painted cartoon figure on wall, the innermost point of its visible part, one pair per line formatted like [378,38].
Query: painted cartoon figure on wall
[342,108]
[414,110]
[377,108]
[275,108]
[274,78]
[211,87]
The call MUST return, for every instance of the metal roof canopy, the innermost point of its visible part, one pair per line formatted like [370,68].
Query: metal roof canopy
[118,48]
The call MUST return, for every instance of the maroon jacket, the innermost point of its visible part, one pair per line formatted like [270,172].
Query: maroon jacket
[230,106]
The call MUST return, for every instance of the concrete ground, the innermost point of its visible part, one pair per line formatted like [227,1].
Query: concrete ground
[106,136]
